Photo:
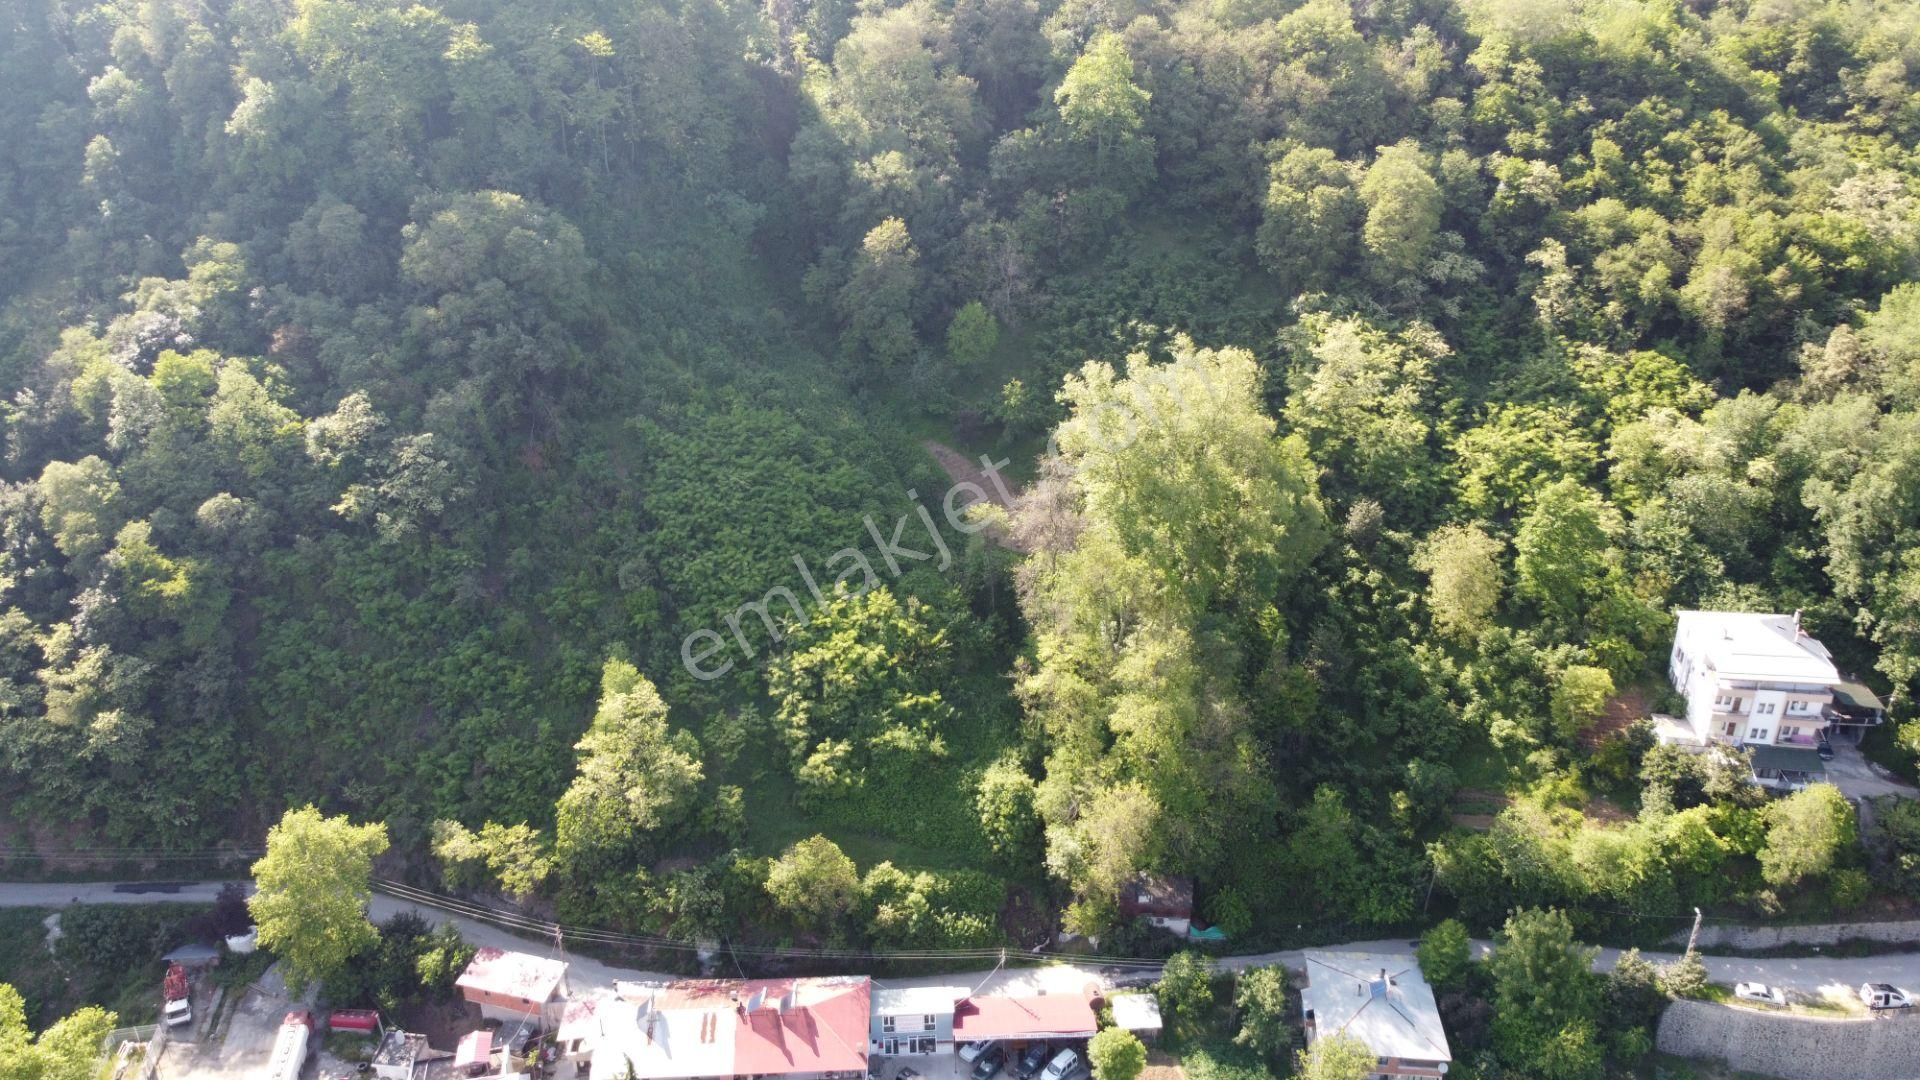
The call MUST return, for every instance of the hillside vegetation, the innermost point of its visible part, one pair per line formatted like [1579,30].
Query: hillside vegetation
[506,421]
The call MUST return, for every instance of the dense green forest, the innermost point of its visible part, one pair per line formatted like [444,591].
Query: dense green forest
[403,400]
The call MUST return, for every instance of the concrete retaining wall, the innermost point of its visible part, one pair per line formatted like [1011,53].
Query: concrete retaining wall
[1771,937]
[1795,1047]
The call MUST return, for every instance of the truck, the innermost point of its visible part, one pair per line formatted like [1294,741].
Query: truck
[290,1047]
[176,997]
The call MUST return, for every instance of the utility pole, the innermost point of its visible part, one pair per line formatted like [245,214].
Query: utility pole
[1695,936]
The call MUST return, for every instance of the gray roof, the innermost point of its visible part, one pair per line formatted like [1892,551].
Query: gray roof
[192,954]
[1395,1017]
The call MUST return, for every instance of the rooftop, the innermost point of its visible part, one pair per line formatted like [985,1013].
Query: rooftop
[1787,759]
[1380,999]
[1753,645]
[1043,1016]
[725,1027]
[512,974]
[916,1000]
[1136,1012]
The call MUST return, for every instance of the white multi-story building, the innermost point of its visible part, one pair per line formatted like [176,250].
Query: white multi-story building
[1761,681]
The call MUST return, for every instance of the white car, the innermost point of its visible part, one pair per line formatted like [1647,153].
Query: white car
[1884,996]
[970,1052]
[1760,992]
[1064,1066]
[179,1011]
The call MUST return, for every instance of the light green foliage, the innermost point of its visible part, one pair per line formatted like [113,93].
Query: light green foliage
[1116,1054]
[1310,216]
[1563,548]
[1580,695]
[1262,1000]
[1099,100]
[311,893]
[925,910]
[518,857]
[857,687]
[67,1050]
[79,505]
[1462,565]
[972,336]
[1185,990]
[1684,977]
[876,304]
[1007,819]
[1545,997]
[1403,210]
[1445,954]
[1361,398]
[1336,1057]
[1806,833]
[636,777]
[816,883]
[1182,499]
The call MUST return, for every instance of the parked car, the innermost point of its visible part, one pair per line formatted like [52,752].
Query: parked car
[1032,1060]
[990,1064]
[1064,1066]
[1884,996]
[1825,750]
[907,1073]
[970,1052]
[1760,992]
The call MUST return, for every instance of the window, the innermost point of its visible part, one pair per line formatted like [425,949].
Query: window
[1767,709]
[926,1023]
[1730,727]
[1737,702]
[1757,733]
[923,1045]
[890,1047]
[886,1024]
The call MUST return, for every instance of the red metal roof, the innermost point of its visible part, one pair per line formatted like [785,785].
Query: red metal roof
[1050,1016]
[793,1026]
[354,1020]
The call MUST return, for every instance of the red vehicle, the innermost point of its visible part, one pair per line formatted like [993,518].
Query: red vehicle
[174,993]
[363,1021]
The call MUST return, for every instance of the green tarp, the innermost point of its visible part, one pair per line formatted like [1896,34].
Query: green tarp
[1787,759]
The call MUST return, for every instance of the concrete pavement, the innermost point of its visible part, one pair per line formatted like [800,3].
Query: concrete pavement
[1813,974]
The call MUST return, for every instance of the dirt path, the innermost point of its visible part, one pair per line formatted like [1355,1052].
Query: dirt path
[1001,491]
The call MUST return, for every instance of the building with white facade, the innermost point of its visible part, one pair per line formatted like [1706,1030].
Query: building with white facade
[1382,1000]
[1760,681]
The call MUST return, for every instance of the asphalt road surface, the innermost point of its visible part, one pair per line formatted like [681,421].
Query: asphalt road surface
[1811,974]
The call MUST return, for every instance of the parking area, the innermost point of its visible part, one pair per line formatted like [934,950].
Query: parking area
[1015,1064]
[234,1040]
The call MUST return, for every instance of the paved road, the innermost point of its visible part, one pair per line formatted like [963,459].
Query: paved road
[1812,974]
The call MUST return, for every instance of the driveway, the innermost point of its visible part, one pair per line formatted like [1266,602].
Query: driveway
[1857,778]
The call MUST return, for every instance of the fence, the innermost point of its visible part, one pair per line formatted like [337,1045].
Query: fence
[115,1048]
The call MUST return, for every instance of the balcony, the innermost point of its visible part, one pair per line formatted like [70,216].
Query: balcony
[1807,739]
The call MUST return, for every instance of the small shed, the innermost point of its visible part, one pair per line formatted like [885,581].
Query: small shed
[1138,1013]
[1163,900]
[193,956]
[475,1052]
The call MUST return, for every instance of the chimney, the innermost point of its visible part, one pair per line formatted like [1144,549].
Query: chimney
[1797,632]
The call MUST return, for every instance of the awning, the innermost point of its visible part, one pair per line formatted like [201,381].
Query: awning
[476,1048]
[1788,759]
[1854,697]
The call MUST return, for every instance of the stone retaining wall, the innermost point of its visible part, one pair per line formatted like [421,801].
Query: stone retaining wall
[1773,937]
[1786,1045]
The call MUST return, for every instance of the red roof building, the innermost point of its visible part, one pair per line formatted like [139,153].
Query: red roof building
[724,1027]
[1046,1016]
[515,986]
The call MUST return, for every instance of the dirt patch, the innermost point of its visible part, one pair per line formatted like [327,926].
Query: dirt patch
[1162,1066]
[1475,808]
[1606,812]
[1623,711]
[1000,490]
